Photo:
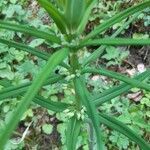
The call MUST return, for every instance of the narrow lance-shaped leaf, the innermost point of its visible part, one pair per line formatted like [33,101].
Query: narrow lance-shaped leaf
[117,18]
[30,31]
[72,133]
[29,49]
[55,14]
[98,52]
[61,4]
[5,82]
[116,42]
[113,92]
[46,103]
[89,6]
[50,105]
[91,109]
[26,48]
[53,61]
[122,128]
[74,13]
[118,76]
[13,91]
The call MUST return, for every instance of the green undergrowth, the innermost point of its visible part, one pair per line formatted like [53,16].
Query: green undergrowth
[19,67]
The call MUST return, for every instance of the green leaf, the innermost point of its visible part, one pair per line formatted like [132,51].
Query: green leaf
[73,16]
[30,31]
[13,91]
[117,18]
[36,42]
[120,140]
[55,14]
[83,95]
[53,61]
[122,128]
[116,42]
[87,12]
[28,113]
[117,90]
[111,53]
[118,76]
[5,82]
[29,49]
[50,105]
[47,128]
[26,48]
[72,133]
[61,4]
[98,52]
[19,90]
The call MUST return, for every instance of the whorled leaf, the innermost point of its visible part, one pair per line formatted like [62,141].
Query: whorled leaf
[116,42]
[30,31]
[118,76]
[46,103]
[29,49]
[115,91]
[13,91]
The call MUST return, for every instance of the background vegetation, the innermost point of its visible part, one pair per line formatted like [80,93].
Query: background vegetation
[42,129]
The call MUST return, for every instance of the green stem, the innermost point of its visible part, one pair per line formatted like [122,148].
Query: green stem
[74,62]
[75,66]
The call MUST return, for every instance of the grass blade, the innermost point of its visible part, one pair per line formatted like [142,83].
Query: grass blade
[72,133]
[122,128]
[91,109]
[53,61]
[118,76]
[117,18]
[30,31]
[98,52]
[55,14]
[117,90]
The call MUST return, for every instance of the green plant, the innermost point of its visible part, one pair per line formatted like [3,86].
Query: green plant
[71,40]
[114,56]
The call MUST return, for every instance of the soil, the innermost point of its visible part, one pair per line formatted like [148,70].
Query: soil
[140,55]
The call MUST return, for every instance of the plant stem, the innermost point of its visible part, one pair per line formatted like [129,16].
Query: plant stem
[75,66]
